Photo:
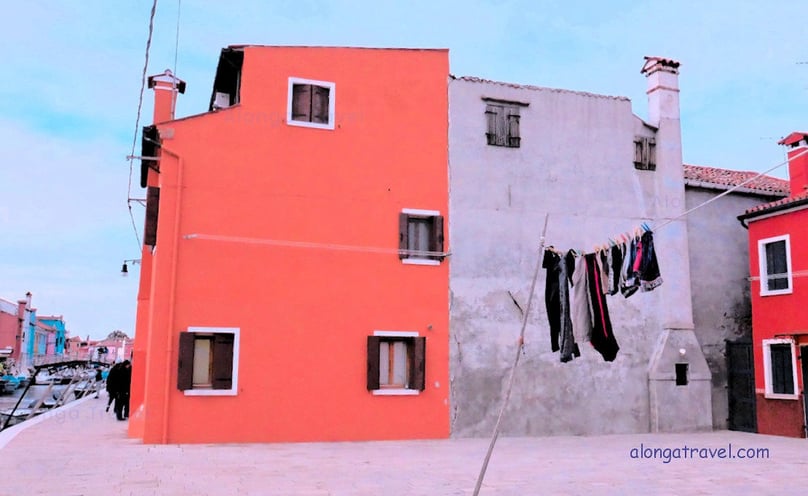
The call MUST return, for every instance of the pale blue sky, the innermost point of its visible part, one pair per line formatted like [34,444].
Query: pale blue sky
[71,78]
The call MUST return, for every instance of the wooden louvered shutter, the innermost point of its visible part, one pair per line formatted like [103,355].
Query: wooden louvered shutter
[301,102]
[185,364]
[436,237]
[403,243]
[651,154]
[373,362]
[418,369]
[222,373]
[491,124]
[513,129]
[319,104]
[152,211]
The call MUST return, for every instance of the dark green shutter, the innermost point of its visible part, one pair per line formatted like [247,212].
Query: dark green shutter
[222,373]
[436,237]
[185,364]
[418,369]
[152,212]
[373,362]
[403,224]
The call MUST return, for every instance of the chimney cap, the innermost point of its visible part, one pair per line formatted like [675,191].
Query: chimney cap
[167,77]
[793,138]
[652,64]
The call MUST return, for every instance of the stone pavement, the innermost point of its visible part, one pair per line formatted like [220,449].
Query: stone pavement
[81,450]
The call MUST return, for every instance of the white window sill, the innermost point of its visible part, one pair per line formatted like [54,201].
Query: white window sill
[396,392]
[210,392]
[776,396]
[776,293]
[419,261]
[314,125]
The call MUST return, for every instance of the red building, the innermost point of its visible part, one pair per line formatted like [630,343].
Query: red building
[294,279]
[778,248]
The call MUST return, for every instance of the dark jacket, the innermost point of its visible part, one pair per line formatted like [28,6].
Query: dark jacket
[114,378]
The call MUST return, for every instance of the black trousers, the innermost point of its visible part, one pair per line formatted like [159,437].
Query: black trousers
[602,336]
[122,405]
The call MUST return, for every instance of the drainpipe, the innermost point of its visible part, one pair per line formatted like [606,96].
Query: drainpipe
[172,294]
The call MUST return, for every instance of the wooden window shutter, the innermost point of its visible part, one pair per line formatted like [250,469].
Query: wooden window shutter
[222,373]
[436,237]
[319,104]
[651,154]
[403,224]
[418,369]
[513,129]
[373,362]
[491,124]
[301,102]
[152,210]
[185,364]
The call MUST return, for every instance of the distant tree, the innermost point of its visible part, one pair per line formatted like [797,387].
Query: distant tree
[117,335]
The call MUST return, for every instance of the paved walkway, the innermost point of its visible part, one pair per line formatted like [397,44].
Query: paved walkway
[82,450]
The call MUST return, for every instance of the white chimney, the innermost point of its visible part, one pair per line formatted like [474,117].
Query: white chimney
[663,88]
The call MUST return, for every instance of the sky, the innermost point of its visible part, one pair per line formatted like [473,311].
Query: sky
[71,82]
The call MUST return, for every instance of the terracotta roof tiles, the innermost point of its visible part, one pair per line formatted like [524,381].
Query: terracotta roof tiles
[695,174]
[472,79]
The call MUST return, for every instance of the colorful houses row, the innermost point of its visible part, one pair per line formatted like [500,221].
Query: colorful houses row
[27,338]
[341,248]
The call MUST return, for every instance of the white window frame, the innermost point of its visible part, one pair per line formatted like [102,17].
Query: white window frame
[764,275]
[409,260]
[767,370]
[332,98]
[396,391]
[233,391]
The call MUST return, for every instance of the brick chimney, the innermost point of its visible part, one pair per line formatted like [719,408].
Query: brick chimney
[165,86]
[797,143]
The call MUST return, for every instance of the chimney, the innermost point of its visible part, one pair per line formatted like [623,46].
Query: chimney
[663,88]
[165,86]
[797,144]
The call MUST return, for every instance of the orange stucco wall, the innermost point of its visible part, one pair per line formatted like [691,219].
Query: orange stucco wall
[779,315]
[245,178]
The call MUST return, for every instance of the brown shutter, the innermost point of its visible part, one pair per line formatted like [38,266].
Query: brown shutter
[152,210]
[651,154]
[491,123]
[185,364]
[418,369]
[403,224]
[222,375]
[373,362]
[436,236]
[319,104]
[513,129]
[301,102]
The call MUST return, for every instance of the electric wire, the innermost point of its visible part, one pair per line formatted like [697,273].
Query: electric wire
[137,120]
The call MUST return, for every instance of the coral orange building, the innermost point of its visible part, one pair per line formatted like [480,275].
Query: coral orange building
[294,279]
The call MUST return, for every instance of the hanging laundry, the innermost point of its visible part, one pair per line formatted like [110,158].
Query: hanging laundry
[649,275]
[603,338]
[616,254]
[630,281]
[556,299]
[581,304]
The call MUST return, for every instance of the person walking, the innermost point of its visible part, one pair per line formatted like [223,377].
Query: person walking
[113,379]
[124,382]
[98,378]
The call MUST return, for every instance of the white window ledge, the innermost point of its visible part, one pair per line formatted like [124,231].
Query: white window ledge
[210,392]
[777,396]
[419,261]
[776,292]
[396,392]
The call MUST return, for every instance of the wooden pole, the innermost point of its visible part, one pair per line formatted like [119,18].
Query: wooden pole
[521,344]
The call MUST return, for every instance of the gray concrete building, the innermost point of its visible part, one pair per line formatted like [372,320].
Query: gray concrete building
[517,153]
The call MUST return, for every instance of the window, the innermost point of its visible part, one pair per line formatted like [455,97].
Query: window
[396,363]
[502,121]
[208,361]
[775,265]
[420,237]
[644,153]
[780,369]
[311,103]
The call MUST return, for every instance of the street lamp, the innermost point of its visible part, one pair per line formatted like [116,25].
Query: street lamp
[125,268]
